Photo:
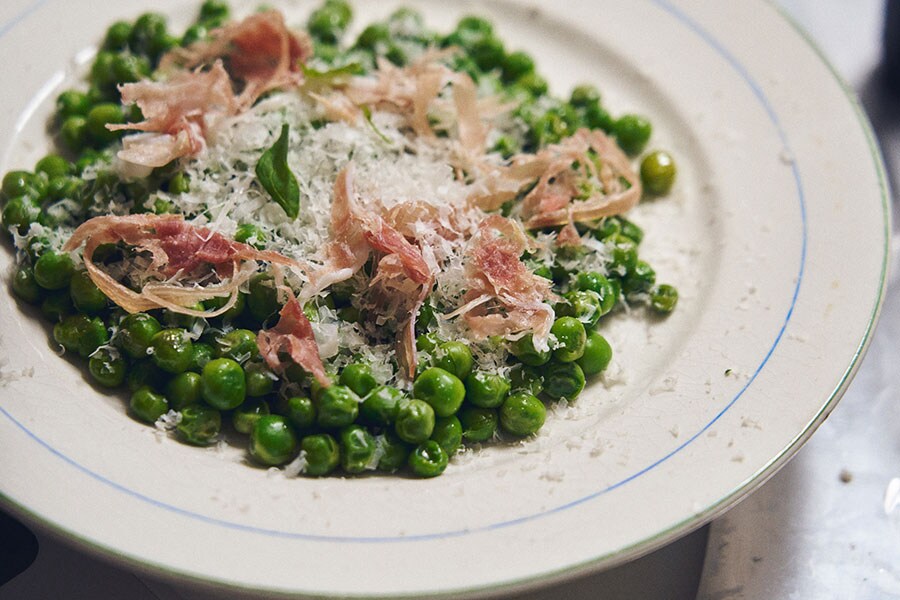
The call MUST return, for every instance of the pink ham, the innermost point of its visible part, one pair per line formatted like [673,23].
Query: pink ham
[292,341]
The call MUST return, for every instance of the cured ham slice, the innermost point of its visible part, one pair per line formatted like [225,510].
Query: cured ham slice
[178,252]
[292,341]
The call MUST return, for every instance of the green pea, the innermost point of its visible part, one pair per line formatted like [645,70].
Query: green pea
[136,331]
[215,12]
[20,212]
[107,367]
[523,349]
[238,344]
[171,350]
[199,425]
[65,187]
[440,389]
[632,132]
[232,313]
[380,406]
[522,414]
[448,434]
[427,342]
[193,34]
[201,353]
[222,384]
[272,440]
[117,36]
[563,380]
[81,333]
[597,354]
[597,117]
[358,377]
[357,449]
[428,459]
[298,410]
[586,306]
[72,103]
[506,147]
[328,23]
[144,373]
[570,337]
[623,253]
[486,390]
[455,358]
[53,165]
[99,117]
[639,280]
[254,235]
[183,390]
[658,173]
[527,379]
[475,25]
[260,380]
[516,65]
[102,76]
[262,301]
[73,132]
[600,285]
[415,421]
[394,452]
[584,96]
[128,68]
[179,183]
[56,305]
[147,405]
[25,287]
[86,296]
[376,37]
[630,229]
[663,298]
[149,36]
[337,406]
[323,455]
[22,183]
[478,424]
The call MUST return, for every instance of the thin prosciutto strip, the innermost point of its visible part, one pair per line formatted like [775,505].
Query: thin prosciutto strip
[497,276]
[178,251]
[292,341]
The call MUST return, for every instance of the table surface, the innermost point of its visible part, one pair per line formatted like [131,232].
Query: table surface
[826,526]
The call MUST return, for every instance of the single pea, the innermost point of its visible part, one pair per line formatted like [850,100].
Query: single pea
[623,253]
[584,95]
[107,367]
[475,24]
[232,313]
[201,353]
[632,132]
[658,173]
[522,414]
[415,421]
[92,335]
[254,235]
[102,77]
[336,406]
[260,380]
[200,425]
[237,344]
[516,65]
[20,212]
[222,383]
[486,390]
[488,52]
[25,287]
[215,12]
[53,165]
[523,349]
[376,37]
[86,296]
[448,434]
[327,24]
[631,229]
[56,305]
[99,117]
[72,103]
[322,453]
[172,350]
[358,377]
[144,373]
[440,389]
[65,187]
[455,358]
[21,183]
[380,406]
[272,440]
[135,333]
[357,449]
[570,337]
[639,280]
[597,117]
[664,298]
[478,424]
[597,354]
[298,410]
[147,405]
[149,35]
[605,291]
[428,459]
[195,33]
[394,452]
[67,333]
[563,380]
[73,132]
[406,22]
[526,379]
[128,68]
[427,342]
[583,305]
[183,390]
[262,300]
[117,36]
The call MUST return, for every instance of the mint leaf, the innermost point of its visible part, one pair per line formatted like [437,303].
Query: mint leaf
[276,177]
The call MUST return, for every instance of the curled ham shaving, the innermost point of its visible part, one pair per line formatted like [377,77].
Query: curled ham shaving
[587,159]
[259,51]
[178,251]
[293,336]
[504,297]
[177,115]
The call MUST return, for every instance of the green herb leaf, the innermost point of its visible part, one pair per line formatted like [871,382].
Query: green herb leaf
[276,177]
[367,113]
[334,75]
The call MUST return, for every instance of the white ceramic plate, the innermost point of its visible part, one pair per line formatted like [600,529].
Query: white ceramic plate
[776,235]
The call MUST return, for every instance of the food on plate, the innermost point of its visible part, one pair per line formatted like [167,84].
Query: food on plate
[361,254]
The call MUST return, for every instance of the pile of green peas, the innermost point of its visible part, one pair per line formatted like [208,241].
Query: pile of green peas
[210,371]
